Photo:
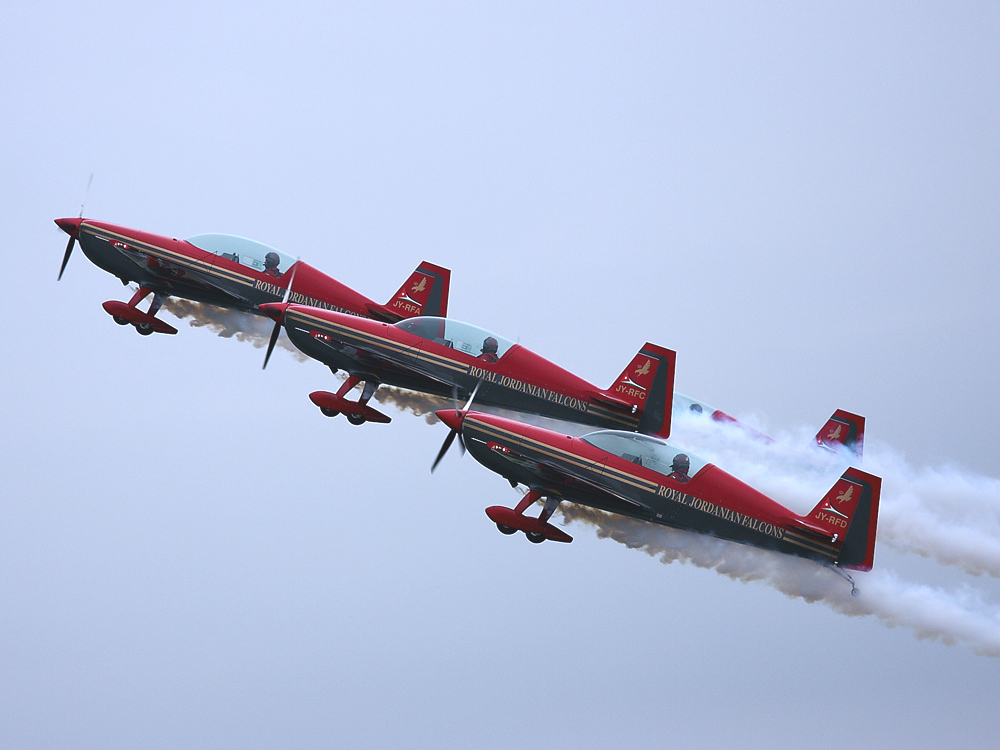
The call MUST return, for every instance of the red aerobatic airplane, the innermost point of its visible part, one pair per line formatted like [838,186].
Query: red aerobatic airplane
[445,357]
[233,272]
[842,429]
[647,479]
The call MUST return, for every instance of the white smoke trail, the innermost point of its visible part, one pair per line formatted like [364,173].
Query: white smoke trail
[228,323]
[255,329]
[947,514]
[931,613]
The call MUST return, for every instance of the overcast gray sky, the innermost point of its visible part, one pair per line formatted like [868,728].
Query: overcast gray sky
[802,201]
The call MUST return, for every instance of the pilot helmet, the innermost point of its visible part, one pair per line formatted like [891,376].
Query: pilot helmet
[681,463]
[490,345]
[271,260]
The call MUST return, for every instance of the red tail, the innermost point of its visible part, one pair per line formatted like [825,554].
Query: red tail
[646,387]
[849,513]
[424,293]
[843,428]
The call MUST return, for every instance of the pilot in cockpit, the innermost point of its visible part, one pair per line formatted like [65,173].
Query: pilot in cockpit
[489,354]
[680,468]
[271,261]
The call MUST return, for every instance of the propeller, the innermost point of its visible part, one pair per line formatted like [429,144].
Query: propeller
[276,331]
[69,252]
[72,228]
[455,423]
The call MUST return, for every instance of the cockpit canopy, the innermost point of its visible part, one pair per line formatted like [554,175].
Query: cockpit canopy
[644,450]
[454,334]
[249,253]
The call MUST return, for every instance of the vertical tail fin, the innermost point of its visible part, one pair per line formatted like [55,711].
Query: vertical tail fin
[424,293]
[849,512]
[843,428]
[646,388]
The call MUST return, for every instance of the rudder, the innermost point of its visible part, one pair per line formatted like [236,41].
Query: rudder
[843,428]
[647,386]
[424,293]
[849,511]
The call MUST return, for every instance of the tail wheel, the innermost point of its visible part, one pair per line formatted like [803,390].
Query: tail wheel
[506,529]
[534,537]
[355,418]
[328,412]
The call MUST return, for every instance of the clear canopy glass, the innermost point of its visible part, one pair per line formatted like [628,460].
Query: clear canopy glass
[249,253]
[473,340]
[649,452]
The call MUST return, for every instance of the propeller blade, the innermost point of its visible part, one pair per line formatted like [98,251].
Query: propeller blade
[270,344]
[288,291]
[69,252]
[277,324]
[473,395]
[444,449]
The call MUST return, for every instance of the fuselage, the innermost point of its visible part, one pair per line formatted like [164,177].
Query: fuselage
[519,380]
[226,271]
[711,501]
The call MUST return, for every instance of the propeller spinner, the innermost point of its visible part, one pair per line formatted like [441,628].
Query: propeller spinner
[453,418]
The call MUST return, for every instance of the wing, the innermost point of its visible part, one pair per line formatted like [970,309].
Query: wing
[391,367]
[559,478]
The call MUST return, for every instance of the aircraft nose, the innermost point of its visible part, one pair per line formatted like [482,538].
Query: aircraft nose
[275,311]
[69,226]
[451,417]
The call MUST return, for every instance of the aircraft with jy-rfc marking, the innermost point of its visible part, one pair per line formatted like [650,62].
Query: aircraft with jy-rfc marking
[232,272]
[648,479]
[446,357]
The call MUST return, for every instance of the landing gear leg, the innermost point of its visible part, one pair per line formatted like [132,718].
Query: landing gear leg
[527,501]
[551,504]
[156,304]
[143,329]
[139,296]
[348,385]
[366,395]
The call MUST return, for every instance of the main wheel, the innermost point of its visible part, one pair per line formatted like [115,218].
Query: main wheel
[534,537]
[120,320]
[144,329]
[506,529]
[355,418]
[329,412]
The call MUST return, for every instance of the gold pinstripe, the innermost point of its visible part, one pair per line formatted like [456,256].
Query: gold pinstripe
[811,544]
[173,256]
